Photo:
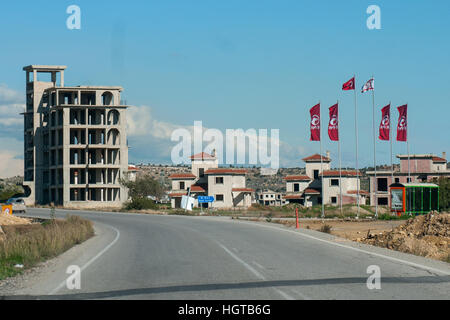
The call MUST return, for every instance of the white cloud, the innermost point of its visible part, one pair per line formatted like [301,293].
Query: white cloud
[11,105]
[10,166]
[150,140]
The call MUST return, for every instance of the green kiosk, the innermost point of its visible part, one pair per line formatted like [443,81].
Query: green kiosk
[414,198]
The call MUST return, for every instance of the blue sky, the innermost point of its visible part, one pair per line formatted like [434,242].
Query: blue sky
[241,64]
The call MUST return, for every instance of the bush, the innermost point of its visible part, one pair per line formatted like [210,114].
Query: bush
[34,243]
[140,204]
[325,228]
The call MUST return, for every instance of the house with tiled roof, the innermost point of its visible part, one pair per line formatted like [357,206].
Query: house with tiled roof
[421,168]
[308,189]
[226,185]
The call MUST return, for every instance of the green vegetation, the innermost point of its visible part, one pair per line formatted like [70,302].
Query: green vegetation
[140,204]
[444,193]
[9,190]
[140,190]
[30,244]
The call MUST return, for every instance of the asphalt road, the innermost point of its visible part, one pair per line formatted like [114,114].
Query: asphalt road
[177,257]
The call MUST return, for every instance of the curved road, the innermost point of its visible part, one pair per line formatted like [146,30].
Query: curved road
[178,257]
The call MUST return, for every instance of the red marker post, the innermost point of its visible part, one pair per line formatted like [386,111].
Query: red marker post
[296,214]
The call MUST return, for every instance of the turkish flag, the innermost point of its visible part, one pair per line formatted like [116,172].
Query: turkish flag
[402,126]
[385,124]
[315,122]
[349,85]
[333,125]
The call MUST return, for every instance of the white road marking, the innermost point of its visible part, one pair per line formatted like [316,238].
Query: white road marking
[63,284]
[258,265]
[254,271]
[417,265]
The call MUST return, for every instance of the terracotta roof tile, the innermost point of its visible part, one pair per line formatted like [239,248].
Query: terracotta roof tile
[225,171]
[335,173]
[311,191]
[201,156]
[316,157]
[293,197]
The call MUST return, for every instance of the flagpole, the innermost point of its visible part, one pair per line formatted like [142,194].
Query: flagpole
[340,163]
[390,138]
[374,147]
[321,162]
[356,137]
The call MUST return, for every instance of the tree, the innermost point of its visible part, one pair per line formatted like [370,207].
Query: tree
[143,186]
[444,193]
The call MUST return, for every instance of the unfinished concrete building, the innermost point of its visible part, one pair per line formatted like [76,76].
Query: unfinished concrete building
[75,142]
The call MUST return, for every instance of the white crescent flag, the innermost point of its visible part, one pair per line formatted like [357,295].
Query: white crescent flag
[368,86]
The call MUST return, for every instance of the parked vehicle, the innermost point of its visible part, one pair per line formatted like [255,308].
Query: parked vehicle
[18,205]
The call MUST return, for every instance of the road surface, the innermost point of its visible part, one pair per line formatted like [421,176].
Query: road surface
[178,257]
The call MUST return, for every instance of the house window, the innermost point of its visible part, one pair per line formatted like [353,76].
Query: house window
[382,201]
[201,172]
[397,180]
[333,200]
[181,185]
[408,180]
[334,182]
[382,184]
[219,180]
[316,174]
[296,187]
[219,197]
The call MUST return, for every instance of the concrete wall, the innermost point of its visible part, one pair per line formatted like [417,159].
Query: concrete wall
[311,166]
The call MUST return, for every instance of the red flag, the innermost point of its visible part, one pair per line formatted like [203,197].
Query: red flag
[385,124]
[402,125]
[333,125]
[315,122]
[349,85]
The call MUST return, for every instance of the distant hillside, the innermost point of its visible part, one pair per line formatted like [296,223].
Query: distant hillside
[255,180]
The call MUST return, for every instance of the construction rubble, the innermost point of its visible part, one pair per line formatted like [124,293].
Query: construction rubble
[425,235]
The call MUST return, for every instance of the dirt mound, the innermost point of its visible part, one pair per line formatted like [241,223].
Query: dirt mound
[7,220]
[427,235]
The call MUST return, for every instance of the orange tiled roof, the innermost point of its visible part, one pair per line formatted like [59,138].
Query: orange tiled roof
[311,191]
[197,189]
[344,173]
[439,159]
[316,157]
[226,171]
[293,197]
[177,194]
[202,155]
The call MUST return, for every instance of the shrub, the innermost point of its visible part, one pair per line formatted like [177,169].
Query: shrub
[325,228]
[140,204]
[31,244]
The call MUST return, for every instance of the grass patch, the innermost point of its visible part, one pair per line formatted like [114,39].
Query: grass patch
[387,216]
[325,228]
[31,244]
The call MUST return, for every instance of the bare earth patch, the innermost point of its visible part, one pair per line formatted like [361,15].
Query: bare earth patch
[427,235]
